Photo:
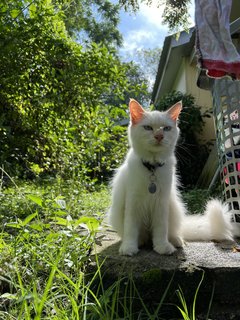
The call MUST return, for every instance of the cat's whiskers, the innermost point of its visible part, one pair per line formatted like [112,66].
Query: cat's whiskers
[183,159]
[184,147]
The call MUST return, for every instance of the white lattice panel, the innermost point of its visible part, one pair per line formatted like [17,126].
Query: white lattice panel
[226,99]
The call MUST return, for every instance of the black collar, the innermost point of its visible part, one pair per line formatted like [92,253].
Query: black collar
[152,167]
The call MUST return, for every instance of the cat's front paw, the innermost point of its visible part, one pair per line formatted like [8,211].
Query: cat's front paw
[164,248]
[127,249]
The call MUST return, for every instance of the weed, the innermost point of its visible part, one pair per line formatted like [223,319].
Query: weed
[184,309]
[48,232]
[47,235]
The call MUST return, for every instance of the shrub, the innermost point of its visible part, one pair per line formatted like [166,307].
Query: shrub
[190,153]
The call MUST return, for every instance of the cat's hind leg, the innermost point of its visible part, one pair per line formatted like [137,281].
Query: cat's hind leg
[175,220]
[115,214]
[116,218]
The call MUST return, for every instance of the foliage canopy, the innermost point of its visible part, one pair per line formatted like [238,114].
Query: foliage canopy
[60,101]
[190,153]
[175,13]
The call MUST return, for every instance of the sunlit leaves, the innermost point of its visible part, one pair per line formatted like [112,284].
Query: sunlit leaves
[93,21]
[60,102]
[175,13]
[14,13]
[32,10]
[35,199]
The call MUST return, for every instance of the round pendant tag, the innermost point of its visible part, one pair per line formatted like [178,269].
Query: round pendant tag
[152,187]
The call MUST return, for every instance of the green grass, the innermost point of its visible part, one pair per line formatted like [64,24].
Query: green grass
[196,199]
[47,234]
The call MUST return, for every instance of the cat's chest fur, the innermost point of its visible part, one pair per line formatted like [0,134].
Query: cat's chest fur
[139,177]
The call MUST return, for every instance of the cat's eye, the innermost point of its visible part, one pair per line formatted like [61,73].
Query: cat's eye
[149,128]
[167,128]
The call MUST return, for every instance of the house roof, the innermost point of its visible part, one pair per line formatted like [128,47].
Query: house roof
[172,53]
[174,50]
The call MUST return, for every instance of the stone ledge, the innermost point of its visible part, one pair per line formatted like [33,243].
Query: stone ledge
[152,273]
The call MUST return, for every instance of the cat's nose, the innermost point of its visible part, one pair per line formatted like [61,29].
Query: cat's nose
[158,136]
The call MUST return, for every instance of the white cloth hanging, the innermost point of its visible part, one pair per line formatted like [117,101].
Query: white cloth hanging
[215,50]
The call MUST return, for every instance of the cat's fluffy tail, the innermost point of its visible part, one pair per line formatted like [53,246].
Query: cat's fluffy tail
[214,224]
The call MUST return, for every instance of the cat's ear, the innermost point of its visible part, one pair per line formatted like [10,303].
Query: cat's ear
[136,111]
[175,110]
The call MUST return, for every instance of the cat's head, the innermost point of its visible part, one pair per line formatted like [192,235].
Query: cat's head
[153,133]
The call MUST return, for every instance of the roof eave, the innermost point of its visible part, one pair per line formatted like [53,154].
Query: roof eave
[173,49]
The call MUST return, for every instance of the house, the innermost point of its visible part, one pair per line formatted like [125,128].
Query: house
[178,71]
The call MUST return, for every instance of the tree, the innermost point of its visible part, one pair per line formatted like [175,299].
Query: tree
[175,13]
[88,21]
[148,60]
[92,20]
[136,87]
[56,115]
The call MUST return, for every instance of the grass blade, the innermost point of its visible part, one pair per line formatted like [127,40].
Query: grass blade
[47,288]
[195,297]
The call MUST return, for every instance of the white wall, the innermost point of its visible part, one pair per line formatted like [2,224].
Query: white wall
[180,83]
[186,82]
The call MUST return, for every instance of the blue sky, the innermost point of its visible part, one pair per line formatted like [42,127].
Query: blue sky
[143,29]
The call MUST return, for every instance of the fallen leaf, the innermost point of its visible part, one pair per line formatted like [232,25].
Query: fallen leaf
[236,249]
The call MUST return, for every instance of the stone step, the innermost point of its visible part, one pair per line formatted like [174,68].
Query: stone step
[152,273]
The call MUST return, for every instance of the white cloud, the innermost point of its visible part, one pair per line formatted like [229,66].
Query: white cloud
[153,15]
[136,40]
[145,30]
[192,14]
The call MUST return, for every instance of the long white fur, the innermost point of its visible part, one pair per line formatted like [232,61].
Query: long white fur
[135,213]
[214,224]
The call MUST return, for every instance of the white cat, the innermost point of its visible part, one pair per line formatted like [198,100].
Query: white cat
[146,204]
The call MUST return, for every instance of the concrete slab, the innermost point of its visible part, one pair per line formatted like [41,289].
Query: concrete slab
[152,273]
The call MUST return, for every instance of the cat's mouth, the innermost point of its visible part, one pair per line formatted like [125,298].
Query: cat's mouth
[156,146]
[159,143]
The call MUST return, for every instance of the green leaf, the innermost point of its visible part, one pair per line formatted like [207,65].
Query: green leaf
[60,213]
[107,121]
[14,13]
[29,218]
[14,225]
[2,244]
[61,221]
[9,296]
[36,226]
[35,199]
[3,8]
[32,10]
[91,223]
[51,236]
